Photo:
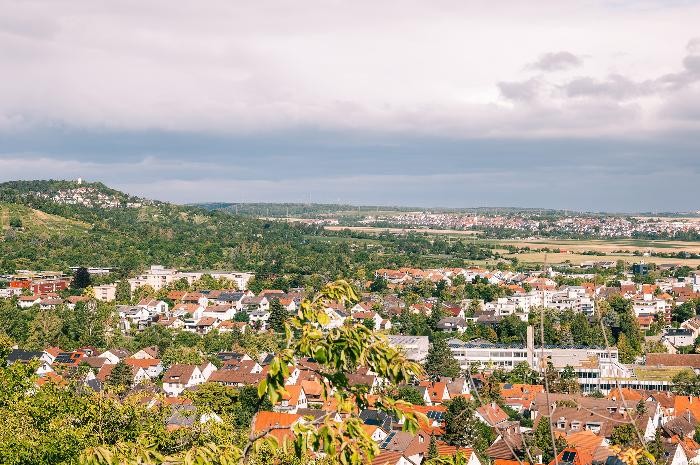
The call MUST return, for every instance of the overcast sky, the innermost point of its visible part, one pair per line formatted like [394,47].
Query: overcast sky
[591,105]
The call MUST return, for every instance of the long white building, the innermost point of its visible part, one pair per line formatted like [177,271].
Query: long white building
[159,277]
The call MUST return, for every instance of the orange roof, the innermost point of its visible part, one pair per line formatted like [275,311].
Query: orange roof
[627,393]
[584,440]
[684,403]
[582,457]
[142,362]
[312,387]
[293,393]
[265,420]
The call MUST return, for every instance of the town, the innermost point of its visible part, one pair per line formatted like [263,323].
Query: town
[508,357]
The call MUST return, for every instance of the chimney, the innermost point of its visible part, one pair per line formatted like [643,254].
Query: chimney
[531,346]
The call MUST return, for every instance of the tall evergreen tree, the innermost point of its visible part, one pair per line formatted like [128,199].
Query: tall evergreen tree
[432,448]
[121,376]
[440,361]
[81,278]
[464,429]
[278,315]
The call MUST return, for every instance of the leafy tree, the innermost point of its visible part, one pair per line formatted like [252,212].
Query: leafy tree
[436,314]
[213,397]
[683,312]
[143,292]
[379,284]
[542,439]
[81,278]
[686,383]
[490,391]
[45,330]
[16,222]
[625,349]
[182,355]
[123,292]
[440,361]
[522,373]
[278,315]
[624,435]
[410,394]
[656,446]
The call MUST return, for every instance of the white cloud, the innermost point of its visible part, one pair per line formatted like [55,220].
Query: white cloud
[416,67]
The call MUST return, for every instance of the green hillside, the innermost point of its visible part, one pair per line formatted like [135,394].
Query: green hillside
[118,230]
[29,221]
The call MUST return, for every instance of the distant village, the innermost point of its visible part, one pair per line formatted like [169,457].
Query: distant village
[607,389]
[607,226]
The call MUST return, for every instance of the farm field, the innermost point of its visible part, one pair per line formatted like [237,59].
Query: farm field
[577,259]
[606,245]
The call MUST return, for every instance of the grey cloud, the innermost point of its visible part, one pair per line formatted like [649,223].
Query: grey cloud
[557,61]
[520,90]
[616,87]
[693,46]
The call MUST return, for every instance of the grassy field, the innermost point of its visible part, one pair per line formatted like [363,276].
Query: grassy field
[576,259]
[607,245]
[37,222]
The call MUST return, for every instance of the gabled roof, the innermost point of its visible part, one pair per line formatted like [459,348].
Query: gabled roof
[493,414]
[179,374]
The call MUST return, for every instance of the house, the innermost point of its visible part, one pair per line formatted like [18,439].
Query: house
[113,356]
[492,414]
[138,374]
[415,347]
[223,312]
[152,366]
[435,393]
[679,337]
[251,304]
[205,324]
[207,368]
[336,315]
[275,424]
[25,356]
[230,326]
[178,377]
[193,310]
[235,299]
[154,307]
[292,400]
[73,300]
[147,352]
[452,324]
[573,456]
[50,303]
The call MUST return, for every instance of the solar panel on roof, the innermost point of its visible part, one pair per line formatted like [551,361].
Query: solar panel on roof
[568,456]
[387,440]
[435,415]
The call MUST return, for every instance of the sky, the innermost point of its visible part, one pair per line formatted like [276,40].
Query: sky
[581,105]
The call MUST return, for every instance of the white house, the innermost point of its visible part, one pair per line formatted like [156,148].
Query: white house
[178,377]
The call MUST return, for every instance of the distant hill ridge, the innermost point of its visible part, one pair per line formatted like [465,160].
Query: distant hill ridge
[88,194]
